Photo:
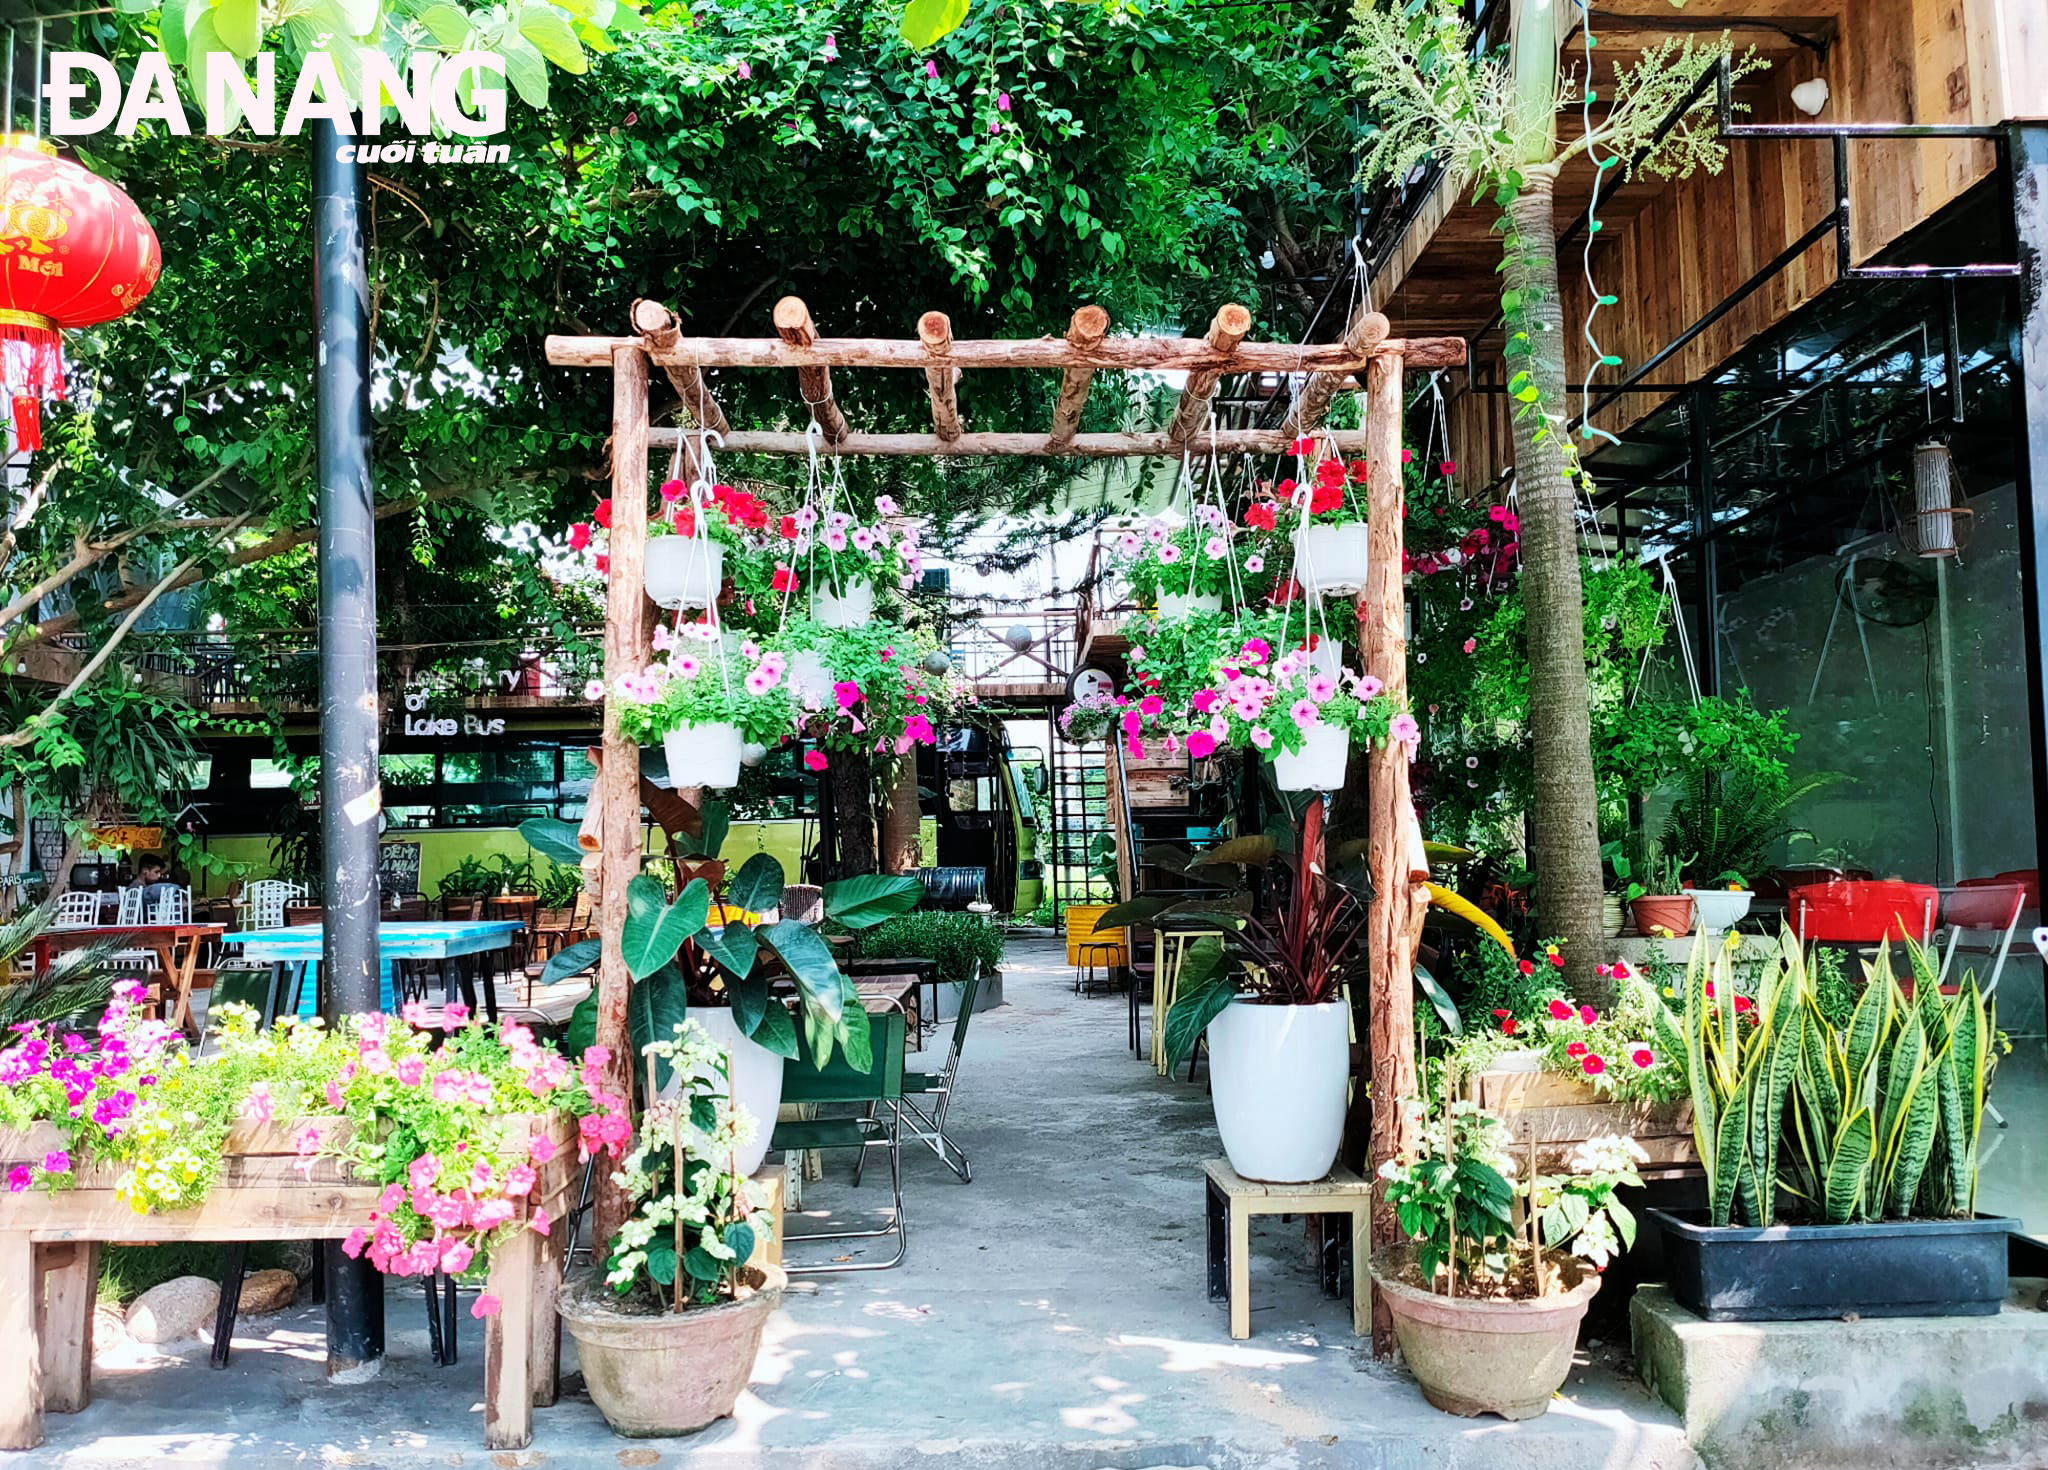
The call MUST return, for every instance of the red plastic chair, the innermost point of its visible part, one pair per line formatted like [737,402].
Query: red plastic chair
[1992,905]
[1858,911]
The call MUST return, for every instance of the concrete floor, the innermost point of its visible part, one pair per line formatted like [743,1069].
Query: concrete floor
[1050,1314]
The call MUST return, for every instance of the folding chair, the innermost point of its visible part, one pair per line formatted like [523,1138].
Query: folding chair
[929,1127]
[1984,906]
[880,1087]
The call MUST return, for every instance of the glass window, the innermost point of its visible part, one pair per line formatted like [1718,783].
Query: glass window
[414,768]
[268,775]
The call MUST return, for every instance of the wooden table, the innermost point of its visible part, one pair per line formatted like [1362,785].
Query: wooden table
[49,1264]
[453,941]
[895,967]
[176,947]
[1233,1200]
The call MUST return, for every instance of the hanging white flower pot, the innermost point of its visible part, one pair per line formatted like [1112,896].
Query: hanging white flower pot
[703,755]
[853,608]
[756,1080]
[1177,605]
[1327,657]
[1331,558]
[1277,1079]
[684,571]
[1318,765]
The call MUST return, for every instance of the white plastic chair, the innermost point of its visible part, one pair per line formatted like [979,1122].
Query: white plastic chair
[130,914]
[77,909]
[262,903]
[173,906]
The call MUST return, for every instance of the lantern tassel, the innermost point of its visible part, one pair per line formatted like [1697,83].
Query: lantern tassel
[32,371]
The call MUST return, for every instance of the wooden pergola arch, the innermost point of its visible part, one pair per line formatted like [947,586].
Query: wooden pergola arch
[1368,354]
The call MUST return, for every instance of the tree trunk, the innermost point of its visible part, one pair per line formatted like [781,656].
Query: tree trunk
[1566,852]
[852,797]
[900,822]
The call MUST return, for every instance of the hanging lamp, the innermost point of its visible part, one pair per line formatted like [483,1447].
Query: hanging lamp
[74,252]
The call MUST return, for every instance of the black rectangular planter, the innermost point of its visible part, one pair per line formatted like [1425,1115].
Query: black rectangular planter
[1799,1273]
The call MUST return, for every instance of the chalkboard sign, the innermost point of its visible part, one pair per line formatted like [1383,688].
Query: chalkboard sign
[398,870]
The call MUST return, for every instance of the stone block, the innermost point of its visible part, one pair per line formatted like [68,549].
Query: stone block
[1872,1393]
[175,1310]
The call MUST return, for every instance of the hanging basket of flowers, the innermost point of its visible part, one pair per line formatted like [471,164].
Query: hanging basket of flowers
[688,542]
[706,703]
[844,561]
[1330,544]
[863,690]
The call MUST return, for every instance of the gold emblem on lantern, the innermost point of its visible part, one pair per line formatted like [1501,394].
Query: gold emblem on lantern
[28,224]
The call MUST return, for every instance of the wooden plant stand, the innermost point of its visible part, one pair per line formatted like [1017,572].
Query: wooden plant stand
[1558,1114]
[49,1263]
[1233,1200]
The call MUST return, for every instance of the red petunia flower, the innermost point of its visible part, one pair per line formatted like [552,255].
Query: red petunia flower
[1507,1027]
[1560,1010]
[579,535]
[1576,1050]
[784,580]
[604,513]
[1588,1015]
[1527,967]
[1593,1066]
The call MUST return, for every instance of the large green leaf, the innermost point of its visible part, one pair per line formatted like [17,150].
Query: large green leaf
[810,963]
[927,22]
[239,24]
[552,35]
[855,1035]
[757,887]
[714,820]
[654,931]
[1200,996]
[733,946]
[658,1004]
[1249,852]
[581,1034]
[750,1003]
[1446,1008]
[865,901]
[571,959]
[553,840]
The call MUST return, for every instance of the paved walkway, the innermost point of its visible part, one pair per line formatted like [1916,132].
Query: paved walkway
[1051,1314]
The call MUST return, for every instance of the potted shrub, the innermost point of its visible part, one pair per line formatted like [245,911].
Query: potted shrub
[464,888]
[1303,720]
[688,540]
[667,1334]
[1728,821]
[1657,903]
[688,960]
[1488,1291]
[843,561]
[1268,993]
[556,892]
[705,703]
[1841,1160]
[1185,568]
[1330,544]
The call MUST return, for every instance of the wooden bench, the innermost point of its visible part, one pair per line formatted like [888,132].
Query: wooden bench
[1233,1200]
[49,1264]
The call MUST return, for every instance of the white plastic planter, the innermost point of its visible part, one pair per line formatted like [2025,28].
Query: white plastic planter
[1718,909]
[1331,558]
[1318,765]
[1327,657]
[1175,605]
[853,609]
[1278,1079]
[684,571]
[703,755]
[756,1079]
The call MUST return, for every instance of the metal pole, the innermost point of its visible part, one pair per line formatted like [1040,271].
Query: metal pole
[350,798]
[2027,155]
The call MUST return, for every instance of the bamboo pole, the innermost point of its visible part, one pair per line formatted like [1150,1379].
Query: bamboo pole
[1225,333]
[618,775]
[1365,336]
[659,332]
[1390,938]
[793,324]
[1041,446]
[936,332]
[1124,354]
[1085,331]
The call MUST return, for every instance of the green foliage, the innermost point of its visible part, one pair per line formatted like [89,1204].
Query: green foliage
[959,942]
[472,877]
[1728,822]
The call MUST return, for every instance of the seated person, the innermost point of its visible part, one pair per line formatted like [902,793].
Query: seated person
[152,878]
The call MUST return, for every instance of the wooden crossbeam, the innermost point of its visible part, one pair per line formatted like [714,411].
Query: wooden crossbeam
[793,323]
[1085,331]
[935,330]
[659,332]
[1366,335]
[1123,354]
[1080,446]
[1225,333]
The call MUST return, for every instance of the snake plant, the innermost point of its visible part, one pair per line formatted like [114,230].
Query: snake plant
[1877,1118]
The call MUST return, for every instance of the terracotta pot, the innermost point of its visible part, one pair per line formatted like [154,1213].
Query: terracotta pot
[1485,1357]
[672,1372]
[1671,916]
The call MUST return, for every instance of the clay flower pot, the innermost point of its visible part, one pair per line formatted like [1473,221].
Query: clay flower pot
[1670,916]
[663,1373]
[1485,1357]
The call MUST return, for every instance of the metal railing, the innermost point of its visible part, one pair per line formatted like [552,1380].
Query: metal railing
[1015,647]
[282,669]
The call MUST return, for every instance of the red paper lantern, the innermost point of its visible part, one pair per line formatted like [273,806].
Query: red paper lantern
[74,252]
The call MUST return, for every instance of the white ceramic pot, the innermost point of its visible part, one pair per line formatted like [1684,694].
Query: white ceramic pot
[756,1079]
[703,755]
[1611,915]
[684,571]
[1277,1077]
[855,608]
[1318,765]
[1175,605]
[1331,558]
[1718,909]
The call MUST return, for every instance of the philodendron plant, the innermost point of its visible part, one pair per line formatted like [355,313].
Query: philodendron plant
[693,950]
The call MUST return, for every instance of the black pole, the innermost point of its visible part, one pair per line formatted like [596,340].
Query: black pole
[2027,153]
[349,795]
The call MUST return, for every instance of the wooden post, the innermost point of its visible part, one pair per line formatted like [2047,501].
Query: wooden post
[900,820]
[618,776]
[1089,326]
[658,326]
[1367,331]
[1225,333]
[793,324]
[1390,942]
[936,332]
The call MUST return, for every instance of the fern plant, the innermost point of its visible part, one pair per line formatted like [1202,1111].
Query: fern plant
[1729,822]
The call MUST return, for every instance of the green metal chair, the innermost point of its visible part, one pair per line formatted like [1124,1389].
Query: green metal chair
[879,1087]
[928,1127]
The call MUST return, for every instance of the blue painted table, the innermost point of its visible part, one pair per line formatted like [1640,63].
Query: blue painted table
[459,943]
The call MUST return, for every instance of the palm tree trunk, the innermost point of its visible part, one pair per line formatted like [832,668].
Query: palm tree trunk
[852,797]
[1566,850]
